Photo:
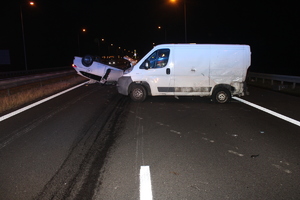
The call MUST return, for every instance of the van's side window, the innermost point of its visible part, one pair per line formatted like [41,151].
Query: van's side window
[158,59]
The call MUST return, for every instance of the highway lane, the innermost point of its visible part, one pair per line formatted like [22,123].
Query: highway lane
[46,149]
[200,150]
[91,142]
[284,104]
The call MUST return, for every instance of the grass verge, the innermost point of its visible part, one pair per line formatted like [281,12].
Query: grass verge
[24,97]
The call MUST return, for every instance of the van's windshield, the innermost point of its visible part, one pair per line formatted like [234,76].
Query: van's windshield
[157,59]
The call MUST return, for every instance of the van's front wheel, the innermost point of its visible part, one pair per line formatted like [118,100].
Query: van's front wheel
[138,93]
[221,95]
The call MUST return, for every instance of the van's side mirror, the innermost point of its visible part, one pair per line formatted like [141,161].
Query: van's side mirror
[147,64]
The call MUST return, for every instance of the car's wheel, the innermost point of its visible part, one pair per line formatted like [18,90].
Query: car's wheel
[221,95]
[138,93]
[87,60]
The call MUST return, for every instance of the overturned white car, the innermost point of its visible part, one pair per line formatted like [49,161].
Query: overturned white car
[91,68]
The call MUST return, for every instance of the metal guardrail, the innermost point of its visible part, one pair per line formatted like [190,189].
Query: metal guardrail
[274,77]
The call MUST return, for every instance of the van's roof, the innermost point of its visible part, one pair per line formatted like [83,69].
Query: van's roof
[201,45]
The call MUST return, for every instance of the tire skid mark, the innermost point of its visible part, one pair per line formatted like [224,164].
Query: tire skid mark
[78,176]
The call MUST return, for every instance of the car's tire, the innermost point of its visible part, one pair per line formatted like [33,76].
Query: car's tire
[138,93]
[87,60]
[221,95]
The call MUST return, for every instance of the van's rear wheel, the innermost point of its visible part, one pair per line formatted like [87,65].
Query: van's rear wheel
[221,95]
[138,93]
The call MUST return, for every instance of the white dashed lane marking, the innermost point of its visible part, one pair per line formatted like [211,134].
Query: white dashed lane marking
[4,117]
[145,183]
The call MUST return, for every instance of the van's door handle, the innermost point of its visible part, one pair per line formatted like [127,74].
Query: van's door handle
[168,71]
[193,70]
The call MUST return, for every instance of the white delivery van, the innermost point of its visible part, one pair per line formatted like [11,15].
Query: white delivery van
[214,70]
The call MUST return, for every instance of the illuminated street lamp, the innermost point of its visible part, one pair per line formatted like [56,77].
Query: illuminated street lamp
[31,3]
[184,10]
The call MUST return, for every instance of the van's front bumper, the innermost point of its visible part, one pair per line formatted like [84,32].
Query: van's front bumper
[123,85]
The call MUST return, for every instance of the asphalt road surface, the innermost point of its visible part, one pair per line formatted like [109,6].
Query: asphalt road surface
[91,143]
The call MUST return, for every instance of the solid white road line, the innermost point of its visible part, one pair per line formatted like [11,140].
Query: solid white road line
[4,117]
[268,111]
[145,183]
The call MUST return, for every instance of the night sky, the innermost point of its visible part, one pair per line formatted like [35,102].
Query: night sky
[53,29]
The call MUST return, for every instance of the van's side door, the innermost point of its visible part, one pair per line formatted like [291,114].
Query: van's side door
[192,75]
[158,72]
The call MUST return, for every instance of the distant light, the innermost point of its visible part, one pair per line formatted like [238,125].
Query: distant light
[83,30]
[31,3]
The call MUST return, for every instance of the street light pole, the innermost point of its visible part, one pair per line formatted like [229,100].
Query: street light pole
[78,39]
[185,31]
[184,11]
[78,42]
[165,30]
[31,3]
[24,47]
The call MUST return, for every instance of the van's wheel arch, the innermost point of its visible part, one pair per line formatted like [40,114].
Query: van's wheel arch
[221,95]
[138,92]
